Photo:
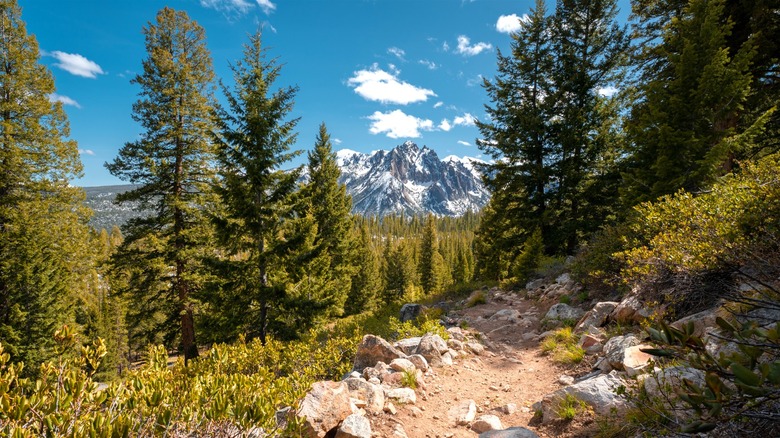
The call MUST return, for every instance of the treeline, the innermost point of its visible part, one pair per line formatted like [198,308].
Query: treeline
[590,118]
[236,247]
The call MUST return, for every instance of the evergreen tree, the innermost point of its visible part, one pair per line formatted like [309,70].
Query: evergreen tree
[258,195]
[366,283]
[171,165]
[434,275]
[330,206]
[519,135]
[43,229]
[681,128]
[400,272]
[590,49]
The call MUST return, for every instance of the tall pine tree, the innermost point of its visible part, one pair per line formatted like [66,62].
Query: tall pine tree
[43,229]
[258,196]
[171,164]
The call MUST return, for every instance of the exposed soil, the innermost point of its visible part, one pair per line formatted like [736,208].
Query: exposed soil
[511,370]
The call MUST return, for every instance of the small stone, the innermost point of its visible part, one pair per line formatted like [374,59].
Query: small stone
[402,364]
[354,426]
[566,380]
[402,395]
[416,412]
[390,408]
[463,413]
[419,362]
[509,408]
[485,423]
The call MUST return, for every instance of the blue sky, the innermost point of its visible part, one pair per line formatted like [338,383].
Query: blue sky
[377,72]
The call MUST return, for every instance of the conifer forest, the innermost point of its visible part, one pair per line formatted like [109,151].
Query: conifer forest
[244,283]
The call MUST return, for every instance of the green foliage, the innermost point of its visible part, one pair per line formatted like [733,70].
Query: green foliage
[739,382]
[409,379]
[526,263]
[44,255]
[569,406]
[477,298]
[236,387]
[562,345]
[419,327]
[171,166]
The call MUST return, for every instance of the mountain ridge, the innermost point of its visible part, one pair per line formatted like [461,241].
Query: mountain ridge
[406,179]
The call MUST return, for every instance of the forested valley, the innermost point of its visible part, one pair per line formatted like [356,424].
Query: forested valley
[641,156]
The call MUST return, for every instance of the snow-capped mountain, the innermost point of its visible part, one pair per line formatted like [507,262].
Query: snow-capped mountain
[411,180]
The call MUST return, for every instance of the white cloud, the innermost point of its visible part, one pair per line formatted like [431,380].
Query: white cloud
[86,152]
[397,124]
[54,97]
[464,143]
[76,64]
[430,64]
[607,91]
[510,23]
[445,125]
[238,7]
[266,5]
[398,53]
[473,82]
[438,104]
[465,48]
[464,120]
[445,46]
[336,141]
[380,86]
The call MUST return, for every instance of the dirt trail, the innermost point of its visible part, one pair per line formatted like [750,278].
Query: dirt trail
[511,370]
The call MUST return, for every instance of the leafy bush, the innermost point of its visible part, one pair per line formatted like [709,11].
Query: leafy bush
[418,327]
[409,379]
[569,406]
[526,263]
[237,387]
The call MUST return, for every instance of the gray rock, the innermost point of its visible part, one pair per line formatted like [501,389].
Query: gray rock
[410,312]
[371,393]
[564,312]
[324,407]
[408,345]
[432,347]
[354,426]
[402,395]
[615,350]
[463,413]
[457,333]
[485,423]
[512,432]
[475,348]
[534,284]
[630,310]
[597,316]
[402,364]
[419,362]
[373,349]
[599,393]
[506,315]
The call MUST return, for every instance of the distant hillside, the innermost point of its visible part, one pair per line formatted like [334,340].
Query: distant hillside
[106,213]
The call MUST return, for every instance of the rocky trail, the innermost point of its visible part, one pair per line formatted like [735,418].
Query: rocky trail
[490,379]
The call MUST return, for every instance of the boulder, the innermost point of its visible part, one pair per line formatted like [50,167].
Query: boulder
[511,315]
[485,423]
[402,364]
[591,344]
[446,359]
[402,395]
[419,362]
[354,426]
[600,393]
[630,310]
[662,383]
[615,350]
[373,395]
[636,361]
[564,312]
[702,322]
[410,311]
[432,347]
[454,344]
[597,316]
[463,413]
[373,349]
[408,345]
[378,371]
[324,407]
[512,432]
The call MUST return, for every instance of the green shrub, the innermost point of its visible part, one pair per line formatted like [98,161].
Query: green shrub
[477,298]
[409,379]
[569,406]
[526,263]
[562,346]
